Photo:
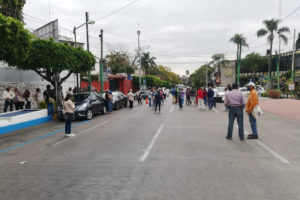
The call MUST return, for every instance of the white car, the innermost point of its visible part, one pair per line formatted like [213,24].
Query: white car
[245,91]
[221,94]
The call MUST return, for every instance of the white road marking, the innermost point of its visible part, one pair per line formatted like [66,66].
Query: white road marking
[215,110]
[23,162]
[147,151]
[87,130]
[172,108]
[268,149]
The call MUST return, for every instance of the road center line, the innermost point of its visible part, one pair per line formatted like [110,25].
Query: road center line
[87,130]
[172,108]
[147,151]
[268,149]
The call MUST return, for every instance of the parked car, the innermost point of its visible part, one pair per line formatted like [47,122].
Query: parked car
[119,100]
[86,105]
[221,94]
[245,91]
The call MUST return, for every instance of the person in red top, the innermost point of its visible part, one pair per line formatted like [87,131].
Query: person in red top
[200,99]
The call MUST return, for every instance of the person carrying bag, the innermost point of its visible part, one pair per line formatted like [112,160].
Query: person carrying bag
[68,111]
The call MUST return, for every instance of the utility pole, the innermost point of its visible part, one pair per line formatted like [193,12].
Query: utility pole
[277,65]
[88,47]
[140,58]
[75,41]
[101,61]
[239,65]
[293,61]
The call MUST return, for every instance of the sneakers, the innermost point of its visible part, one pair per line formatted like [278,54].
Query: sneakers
[252,136]
[70,135]
[228,138]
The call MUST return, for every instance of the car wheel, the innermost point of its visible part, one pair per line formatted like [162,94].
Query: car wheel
[89,115]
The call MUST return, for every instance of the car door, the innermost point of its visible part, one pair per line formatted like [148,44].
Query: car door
[94,104]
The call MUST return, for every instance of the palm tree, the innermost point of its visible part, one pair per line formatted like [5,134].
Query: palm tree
[147,61]
[271,28]
[240,41]
[187,72]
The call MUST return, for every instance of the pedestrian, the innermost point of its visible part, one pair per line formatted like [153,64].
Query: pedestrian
[26,96]
[8,97]
[205,96]
[139,97]
[236,102]
[176,96]
[70,91]
[110,102]
[201,105]
[215,96]
[68,115]
[250,105]
[150,97]
[162,96]
[19,100]
[180,98]
[130,97]
[49,96]
[210,98]
[106,100]
[193,96]
[158,99]
[38,97]
[188,97]
[75,90]
[153,97]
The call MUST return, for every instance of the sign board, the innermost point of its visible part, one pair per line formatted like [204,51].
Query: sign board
[291,87]
[48,31]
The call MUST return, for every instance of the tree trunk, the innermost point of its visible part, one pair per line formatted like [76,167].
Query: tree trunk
[270,63]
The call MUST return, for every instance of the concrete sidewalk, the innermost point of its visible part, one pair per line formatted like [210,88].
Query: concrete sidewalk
[288,108]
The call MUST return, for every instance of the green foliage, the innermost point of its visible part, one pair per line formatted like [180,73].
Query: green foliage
[198,78]
[135,81]
[119,63]
[164,73]
[147,62]
[47,58]
[254,62]
[152,81]
[43,105]
[14,41]
[12,8]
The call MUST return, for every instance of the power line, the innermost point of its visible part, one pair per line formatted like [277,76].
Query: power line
[293,12]
[127,5]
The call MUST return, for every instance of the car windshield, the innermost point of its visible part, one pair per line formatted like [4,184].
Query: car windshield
[80,97]
[220,89]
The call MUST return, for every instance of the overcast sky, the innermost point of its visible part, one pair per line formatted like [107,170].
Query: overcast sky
[180,34]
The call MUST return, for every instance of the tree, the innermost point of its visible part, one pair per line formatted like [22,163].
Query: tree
[147,62]
[14,41]
[252,63]
[119,63]
[271,27]
[48,59]
[298,42]
[12,8]
[240,41]
[198,78]
[187,72]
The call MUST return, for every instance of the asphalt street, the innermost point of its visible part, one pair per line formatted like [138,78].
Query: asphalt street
[139,155]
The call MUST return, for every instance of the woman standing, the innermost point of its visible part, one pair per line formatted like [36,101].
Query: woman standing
[26,96]
[110,100]
[68,115]
[130,97]
[38,97]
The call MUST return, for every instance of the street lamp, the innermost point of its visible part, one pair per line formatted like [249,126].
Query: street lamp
[87,35]
[140,58]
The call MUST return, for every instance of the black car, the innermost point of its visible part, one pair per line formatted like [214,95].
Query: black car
[86,105]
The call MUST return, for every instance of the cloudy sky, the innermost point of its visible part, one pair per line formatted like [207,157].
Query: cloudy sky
[180,34]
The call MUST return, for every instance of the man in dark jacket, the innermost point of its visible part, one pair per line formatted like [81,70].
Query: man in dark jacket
[210,96]
[158,99]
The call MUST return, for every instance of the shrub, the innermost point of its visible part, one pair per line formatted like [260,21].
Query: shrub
[275,94]
[43,105]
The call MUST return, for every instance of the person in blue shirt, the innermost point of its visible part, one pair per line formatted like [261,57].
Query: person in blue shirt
[210,97]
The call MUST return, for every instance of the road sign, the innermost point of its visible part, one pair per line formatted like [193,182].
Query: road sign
[291,87]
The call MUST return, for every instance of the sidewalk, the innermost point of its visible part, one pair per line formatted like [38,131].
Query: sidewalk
[288,108]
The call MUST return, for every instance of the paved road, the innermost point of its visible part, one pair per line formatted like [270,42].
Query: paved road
[139,155]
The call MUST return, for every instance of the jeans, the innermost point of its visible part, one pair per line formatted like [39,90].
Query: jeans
[205,100]
[6,104]
[50,107]
[131,104]
[180,102]
[19,105]
[28,105]
[235,112]
[157,104]
[140,102]
[215,101]
[210,102]
[68,126]
[150,103]
[253,124]
[109,106]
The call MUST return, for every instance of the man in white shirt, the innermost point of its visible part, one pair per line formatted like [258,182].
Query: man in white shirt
[215,96]
[8,96]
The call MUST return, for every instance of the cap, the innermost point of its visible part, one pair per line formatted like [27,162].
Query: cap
[251,84]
